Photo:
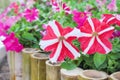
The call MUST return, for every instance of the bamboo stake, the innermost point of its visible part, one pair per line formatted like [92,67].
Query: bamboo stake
[52,71]
[38,66]
[92,75]
[15,65]
[70,74]
[115,76]
[26,62]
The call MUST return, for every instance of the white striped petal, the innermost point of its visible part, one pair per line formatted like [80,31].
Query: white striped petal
[85,35]
[57,53]
[45,43]
[110,19]
[75,32]
[89,45]
[102,44]
[106,30]
[54,28]
[91,24]
[71,49]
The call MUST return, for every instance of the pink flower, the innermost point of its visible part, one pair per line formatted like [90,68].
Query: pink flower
[112,6]
[10,21]
[66,8]
[58,40]
[44,26]
[95,37]
[31,14]
[12,44]
[101,2]
[80,17]
[57,7]
[111,19]
[3,29]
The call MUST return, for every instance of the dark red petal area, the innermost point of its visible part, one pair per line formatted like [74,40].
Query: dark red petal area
[86,28]
[49,34]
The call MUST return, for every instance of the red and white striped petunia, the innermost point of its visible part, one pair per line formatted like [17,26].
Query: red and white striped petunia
[95,37]
[111,19]
[58,40]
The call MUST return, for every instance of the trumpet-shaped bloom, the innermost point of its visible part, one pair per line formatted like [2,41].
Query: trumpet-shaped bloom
[80,17]
[111,19]
[57,7]
[112,6]
[12,44]
[95,37]
[31,14]
[58,40]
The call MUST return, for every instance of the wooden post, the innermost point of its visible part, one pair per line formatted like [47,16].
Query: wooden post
[38,66]
[115,76]
[92,75]
[26,62]
[15,65]
[52,71]
[70,74]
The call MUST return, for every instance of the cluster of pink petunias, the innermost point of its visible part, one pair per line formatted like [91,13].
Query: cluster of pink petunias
[10,41]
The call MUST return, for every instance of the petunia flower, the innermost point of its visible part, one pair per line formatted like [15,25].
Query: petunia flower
[31,14]
[12,44]
[80,17]
[58,6]
[112,6]
[58,40]
[111,19]
[101,2]
[95,37]
[115,34]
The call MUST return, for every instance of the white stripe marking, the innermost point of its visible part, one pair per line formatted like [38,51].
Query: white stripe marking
[91,24]
[54,28]
[45,43]
[89,45]
[57,53]
[71,49]
[75,32]
[110,19]
[85,35]
[102,44]
[106,30]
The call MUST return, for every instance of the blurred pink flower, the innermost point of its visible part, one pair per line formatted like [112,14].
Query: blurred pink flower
[101,2]
[112,6]
[58,6]
[31,14]
[3,29]
[43,32]
[12,44]
[80,17]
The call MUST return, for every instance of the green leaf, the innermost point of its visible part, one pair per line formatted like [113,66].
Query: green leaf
[28,36]
[114,56]
[99,59]
[68,65]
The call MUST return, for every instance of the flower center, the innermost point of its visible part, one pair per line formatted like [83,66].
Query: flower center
[94,34]
[82,15]
[61,38]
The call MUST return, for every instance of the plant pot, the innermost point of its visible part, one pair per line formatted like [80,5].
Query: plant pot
[93,75]
[15,65]
[38,66]
[52,71]
[26,62]
[115,76]
[70,74]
